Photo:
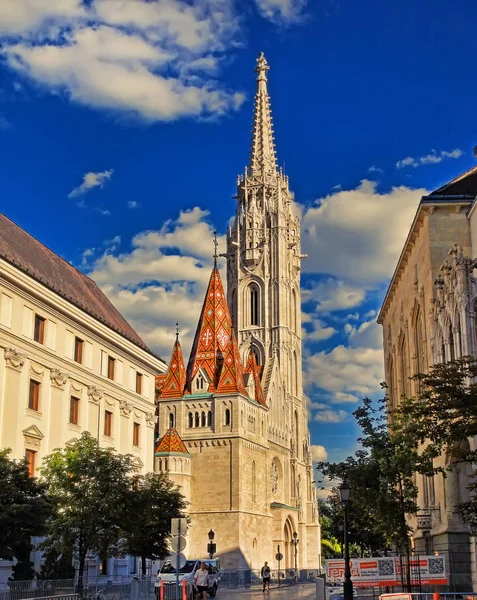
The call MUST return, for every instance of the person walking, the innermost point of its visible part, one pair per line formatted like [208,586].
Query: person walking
[201,581]
[266,576]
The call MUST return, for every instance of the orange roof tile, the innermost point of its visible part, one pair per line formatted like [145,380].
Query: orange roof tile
[171,442]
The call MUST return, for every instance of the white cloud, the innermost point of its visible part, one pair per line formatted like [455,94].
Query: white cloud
[368,334]
[162,279]
[429,159]
[331,416]
[319,331]
[355,371]
[375,169]
[133,204]
[318,453]
[282,12]
[134,58]
[357,235]
[90,181]
[332,295]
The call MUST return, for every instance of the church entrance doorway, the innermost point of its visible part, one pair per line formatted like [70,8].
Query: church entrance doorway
[288,536]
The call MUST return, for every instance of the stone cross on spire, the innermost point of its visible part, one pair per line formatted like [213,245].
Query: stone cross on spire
[262,157]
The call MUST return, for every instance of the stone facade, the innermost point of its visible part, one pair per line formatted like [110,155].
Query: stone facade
[239,406]
[428,316]
[40,335]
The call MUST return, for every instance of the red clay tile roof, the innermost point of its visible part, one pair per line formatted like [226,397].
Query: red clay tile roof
[175,381]
[36,260]
[171,442]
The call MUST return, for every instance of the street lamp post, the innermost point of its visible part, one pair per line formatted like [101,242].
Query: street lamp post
[211,547]
[345,493]
[295,541]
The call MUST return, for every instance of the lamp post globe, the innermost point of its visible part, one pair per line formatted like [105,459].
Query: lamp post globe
[345,495]
[211,546]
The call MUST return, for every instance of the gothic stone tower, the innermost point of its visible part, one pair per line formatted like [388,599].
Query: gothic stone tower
[238,407]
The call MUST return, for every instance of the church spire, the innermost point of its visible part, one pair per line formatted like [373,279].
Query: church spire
[175,379]
[262,157]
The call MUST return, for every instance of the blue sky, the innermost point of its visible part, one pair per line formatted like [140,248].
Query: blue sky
[123,126]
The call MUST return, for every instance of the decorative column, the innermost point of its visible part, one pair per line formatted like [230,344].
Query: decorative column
[125,428]
[148,444]
[59,407]
[15,402]
[95,395]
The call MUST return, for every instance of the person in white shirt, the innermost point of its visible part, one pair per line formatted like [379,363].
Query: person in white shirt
[201,581]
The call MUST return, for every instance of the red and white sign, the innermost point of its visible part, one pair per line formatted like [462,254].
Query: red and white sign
[386,571]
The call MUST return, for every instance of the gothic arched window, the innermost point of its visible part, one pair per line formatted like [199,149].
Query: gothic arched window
[254,304]
[294,322]
[404,370]
[196,421]
[227,417]
[171,420]
[191,420]
[202,419]
[255,351]
[209,419]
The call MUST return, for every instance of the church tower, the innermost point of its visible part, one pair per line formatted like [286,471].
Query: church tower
[263,260]
[233,424]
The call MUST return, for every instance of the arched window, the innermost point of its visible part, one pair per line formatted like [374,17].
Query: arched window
[241,418]
[197,422]
[202,419]
[254,483]
[404,370]
[451,344]
[171,420]
[227,417]
[292,482]
[296,384]
[255,351]
[200,382]
[254,304]
[191,420]
[209,419]
[296,432]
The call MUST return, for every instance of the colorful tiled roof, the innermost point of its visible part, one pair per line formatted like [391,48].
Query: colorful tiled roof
[175,380]
[212,338]
[171,442]
[26,253]
[255,371]
[231,373]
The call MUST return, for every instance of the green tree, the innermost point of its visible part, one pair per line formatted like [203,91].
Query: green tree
[88,485]
[24,510]
[152,502]
[442,418]
[382,478]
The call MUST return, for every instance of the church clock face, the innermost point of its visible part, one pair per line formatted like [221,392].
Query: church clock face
[274,477]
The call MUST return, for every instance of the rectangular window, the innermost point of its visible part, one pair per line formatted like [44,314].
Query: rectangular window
[138,383]
[108,422]
[34,395]
[79,350]
[39,331]
[74,410]
[103,567]
[30,456]
[136,431]
[111,362]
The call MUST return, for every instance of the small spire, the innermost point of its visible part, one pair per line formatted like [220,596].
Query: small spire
[216,244]
[262,156]
[177,332]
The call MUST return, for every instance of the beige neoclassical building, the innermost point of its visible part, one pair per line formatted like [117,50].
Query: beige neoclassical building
[69,362]
[429,316]
[233,423]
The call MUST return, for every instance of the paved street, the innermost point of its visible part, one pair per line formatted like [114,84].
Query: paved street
[296,592]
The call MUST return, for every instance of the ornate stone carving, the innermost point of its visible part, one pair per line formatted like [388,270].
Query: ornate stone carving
[13,358]
[95,394]
[33,436]
[274,477]
[58,378]
[125,408]
[36,370]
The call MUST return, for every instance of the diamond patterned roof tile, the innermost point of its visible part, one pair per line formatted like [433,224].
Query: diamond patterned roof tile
[175,380]
[171,442]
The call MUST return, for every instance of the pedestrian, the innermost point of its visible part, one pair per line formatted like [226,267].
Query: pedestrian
[201,581]
[266,576]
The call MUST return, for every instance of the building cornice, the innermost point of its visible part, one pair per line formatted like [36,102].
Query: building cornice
[427,205]
[32,290]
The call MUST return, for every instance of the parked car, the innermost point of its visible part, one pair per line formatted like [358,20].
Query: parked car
[168,574]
